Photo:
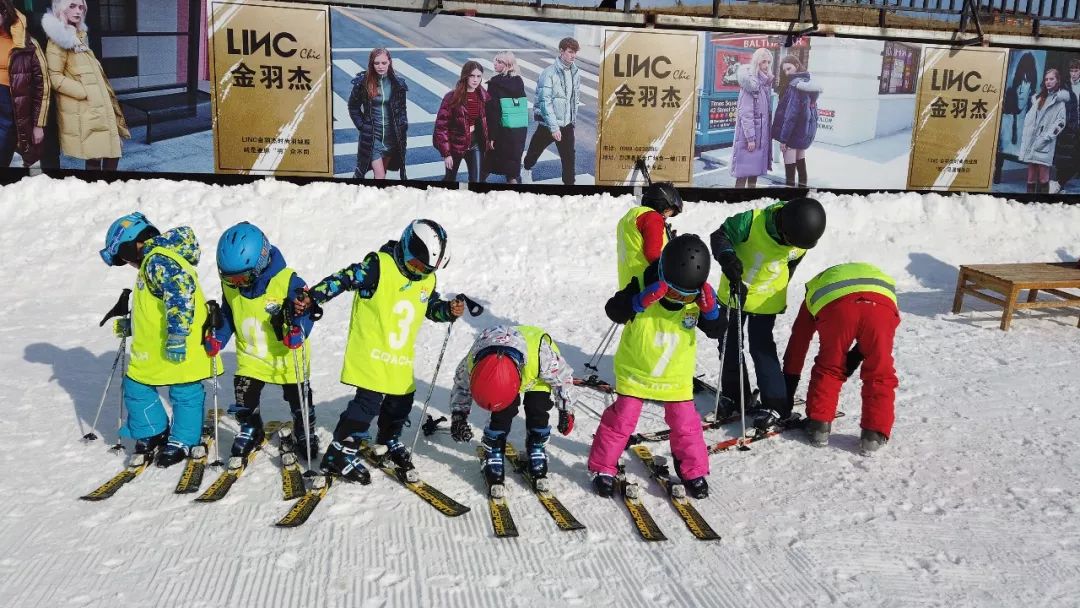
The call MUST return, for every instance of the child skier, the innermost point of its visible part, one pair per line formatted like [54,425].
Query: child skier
[256,285]
[643,231]
[167,315]
[769,243]
[847,303]
[395,291]
[655,361]
[504,362]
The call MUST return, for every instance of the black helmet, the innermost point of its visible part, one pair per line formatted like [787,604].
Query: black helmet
[684,263]
[801,222]
[660,196]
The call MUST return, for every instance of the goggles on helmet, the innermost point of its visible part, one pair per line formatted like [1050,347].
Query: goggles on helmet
[674,293]
[239,279]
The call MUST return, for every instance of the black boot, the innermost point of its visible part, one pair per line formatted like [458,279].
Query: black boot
[172,453]
[536,446]
[494,466]
[800,166]
[789,175]
[604,485]
[251,433]
[302,440]
[871,441]
[343,459]
[150,445]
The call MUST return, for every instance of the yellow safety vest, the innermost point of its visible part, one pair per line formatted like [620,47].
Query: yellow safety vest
[655,358]
[838,281]
[631,243]
[150,332]
[765,270]
[259,353]
[382,332]
[530,375]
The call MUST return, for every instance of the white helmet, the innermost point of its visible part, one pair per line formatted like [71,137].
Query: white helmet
[422,248]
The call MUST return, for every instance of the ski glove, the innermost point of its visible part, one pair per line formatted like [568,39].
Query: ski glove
[459,427]
[649,296]
[122,328]
[566,421]
[792,382]
[706,302]
[852,361]
[176,348]
[294,339]
[212,345]
[731,265]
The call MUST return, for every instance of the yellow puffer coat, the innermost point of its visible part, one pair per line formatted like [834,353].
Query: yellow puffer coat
[91,123]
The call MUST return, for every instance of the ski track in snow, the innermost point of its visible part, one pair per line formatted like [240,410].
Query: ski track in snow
[973,503]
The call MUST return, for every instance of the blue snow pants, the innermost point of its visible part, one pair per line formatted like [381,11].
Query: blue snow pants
[146,414]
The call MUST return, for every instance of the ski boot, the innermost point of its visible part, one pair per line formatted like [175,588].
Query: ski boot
[343,459]
[536,445]
[494,468]
[251,433]
[871,441]
[147,446]
[399,454]
[817,432]
[728,408]
[697,487]
[301,442]
[604,484]
[172,453]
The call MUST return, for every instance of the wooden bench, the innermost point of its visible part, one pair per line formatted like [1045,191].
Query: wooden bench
[1010,279]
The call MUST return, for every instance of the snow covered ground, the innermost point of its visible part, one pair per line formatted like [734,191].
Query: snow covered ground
[973,503]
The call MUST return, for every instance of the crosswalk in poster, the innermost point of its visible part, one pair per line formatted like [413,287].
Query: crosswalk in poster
[270,73]
[648,92]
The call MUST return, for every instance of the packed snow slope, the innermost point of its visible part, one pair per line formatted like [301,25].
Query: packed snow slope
[973,503]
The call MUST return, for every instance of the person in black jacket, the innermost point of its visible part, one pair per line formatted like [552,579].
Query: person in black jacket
[377,108]
[50,147]
[507,139]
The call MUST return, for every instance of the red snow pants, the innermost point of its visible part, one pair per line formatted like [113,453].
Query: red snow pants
[872,320]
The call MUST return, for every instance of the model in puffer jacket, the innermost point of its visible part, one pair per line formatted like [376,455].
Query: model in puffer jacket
[796,120]
[1044,121]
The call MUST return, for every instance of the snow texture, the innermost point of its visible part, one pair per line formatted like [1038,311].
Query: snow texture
[973,503]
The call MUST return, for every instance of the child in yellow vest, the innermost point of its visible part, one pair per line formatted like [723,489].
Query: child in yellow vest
[655,361]
[256,284]
[167,316]
[394,292]
[758,251]
[643,231]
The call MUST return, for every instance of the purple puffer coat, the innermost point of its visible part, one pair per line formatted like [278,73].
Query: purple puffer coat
[753,122]
[796,121]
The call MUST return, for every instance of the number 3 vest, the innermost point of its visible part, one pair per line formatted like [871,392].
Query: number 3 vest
[382,332]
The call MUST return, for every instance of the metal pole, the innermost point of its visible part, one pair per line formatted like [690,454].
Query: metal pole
[431,387]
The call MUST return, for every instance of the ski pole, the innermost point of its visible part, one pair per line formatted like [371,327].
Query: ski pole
[742,378]
[91,436]
[601,349]
[720,376]
[474,310]
[119,447]
[305,415]
[213,322]
[119,309]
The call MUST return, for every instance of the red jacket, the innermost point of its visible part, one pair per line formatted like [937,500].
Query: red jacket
[451,136]
[652,227]
[802,332]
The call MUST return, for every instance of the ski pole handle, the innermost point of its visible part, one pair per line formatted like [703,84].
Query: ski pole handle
[120,309]
[474,308]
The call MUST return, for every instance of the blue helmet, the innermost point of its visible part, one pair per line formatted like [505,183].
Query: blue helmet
[243,252]
[124,231]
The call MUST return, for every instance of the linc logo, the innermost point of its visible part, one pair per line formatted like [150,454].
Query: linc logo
[252,42]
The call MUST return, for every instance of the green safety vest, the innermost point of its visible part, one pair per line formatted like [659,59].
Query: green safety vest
[632,262]
[259,353]
[655,358]
[150,332]
[765,270]
[530,374]
[838,281]
[382,332]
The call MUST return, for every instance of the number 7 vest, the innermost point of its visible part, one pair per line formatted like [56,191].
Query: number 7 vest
[382,332]
[656,354]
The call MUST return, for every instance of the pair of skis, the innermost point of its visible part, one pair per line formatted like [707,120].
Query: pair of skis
[190,477]
[238,464]
[630,493]
[502,520]
[302,510]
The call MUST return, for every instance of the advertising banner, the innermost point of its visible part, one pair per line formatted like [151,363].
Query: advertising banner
[270,74]
[648,88]
[958,107]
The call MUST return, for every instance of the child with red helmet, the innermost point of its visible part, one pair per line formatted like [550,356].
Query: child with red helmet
[503,363]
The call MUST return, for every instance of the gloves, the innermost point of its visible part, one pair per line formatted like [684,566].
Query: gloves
[649,296]
[706,302]
[739,290]
[176,348]
[792,382]
[457,308]
[459,427]
[294,339]
[566,421]
[122,328]
[852,361]
[731,265]
[212,345]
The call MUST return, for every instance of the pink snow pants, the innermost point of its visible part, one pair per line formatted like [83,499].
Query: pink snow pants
[619,421]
